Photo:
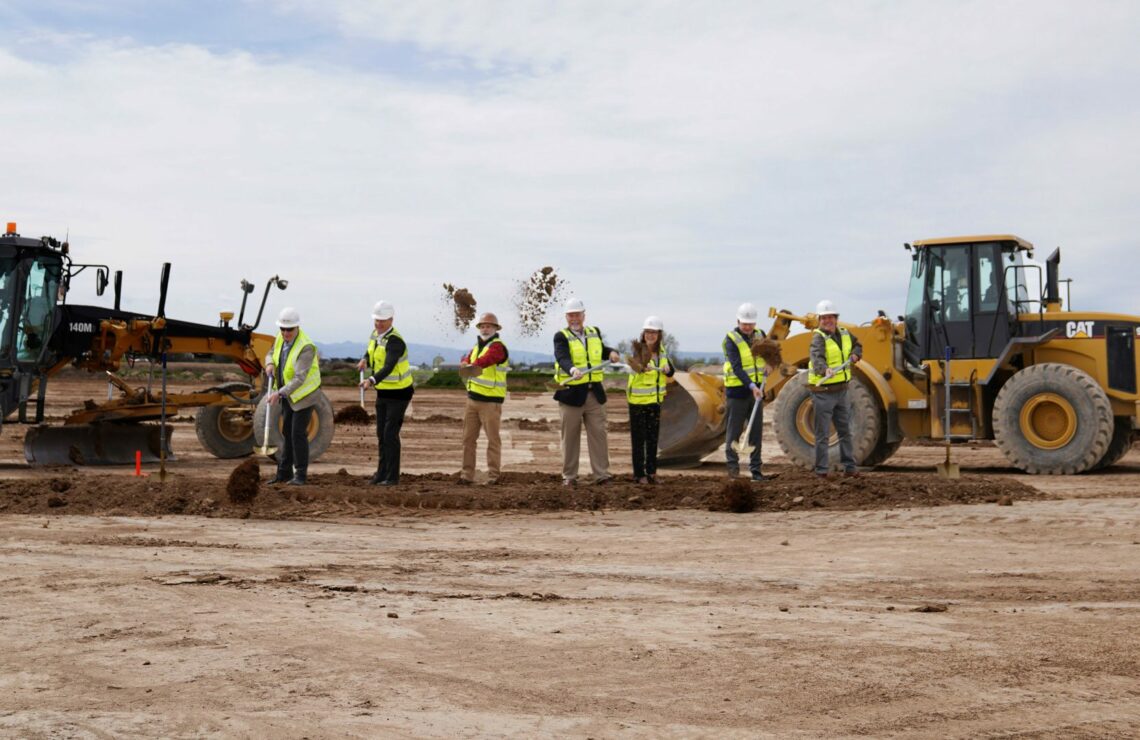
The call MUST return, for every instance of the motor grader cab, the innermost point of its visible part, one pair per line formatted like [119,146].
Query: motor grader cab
[41,334]
[987,343]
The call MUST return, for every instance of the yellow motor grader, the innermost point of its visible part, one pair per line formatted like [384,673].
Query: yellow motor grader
[41,334]
[985,344]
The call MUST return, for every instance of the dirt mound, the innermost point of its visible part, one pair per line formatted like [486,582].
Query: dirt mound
[352,415]
[737,496]
[534,425]
[462,306]
[533,298]
[244,482]
[339,496]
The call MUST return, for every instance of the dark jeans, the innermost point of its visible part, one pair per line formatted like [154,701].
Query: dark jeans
[294,456]
[389,419]
[644,425]
[738,410]
[832,408]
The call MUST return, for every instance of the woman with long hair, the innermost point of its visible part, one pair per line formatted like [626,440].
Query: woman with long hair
[645,392]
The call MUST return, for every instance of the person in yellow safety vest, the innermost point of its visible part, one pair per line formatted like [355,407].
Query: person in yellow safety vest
[485,368]
[743,376]
[386,358]
[579,355]
[645,392]
[293,366]
[833,351]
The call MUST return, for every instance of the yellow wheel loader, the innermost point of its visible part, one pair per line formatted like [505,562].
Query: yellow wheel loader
[41,334]
[1056,389]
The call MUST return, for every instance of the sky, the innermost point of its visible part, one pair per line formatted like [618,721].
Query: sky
[667,158]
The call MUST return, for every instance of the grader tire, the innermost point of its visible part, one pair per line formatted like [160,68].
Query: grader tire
[883,450]
[1053,419]
[1122,436]
[223,433]
[320,427]
[792,420]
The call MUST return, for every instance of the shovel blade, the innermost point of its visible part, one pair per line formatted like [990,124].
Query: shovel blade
[743,448]
[948,470]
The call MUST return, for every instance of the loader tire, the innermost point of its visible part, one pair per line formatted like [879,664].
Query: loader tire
[321,427]
[792,420]
[224,432]
[1122,436]
[883,450]
[1053,419]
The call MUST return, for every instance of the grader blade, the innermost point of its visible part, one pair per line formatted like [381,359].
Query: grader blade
[95,444]
[692,420]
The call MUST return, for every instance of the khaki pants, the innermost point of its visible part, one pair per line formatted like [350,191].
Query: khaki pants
[487,415]
[594,415]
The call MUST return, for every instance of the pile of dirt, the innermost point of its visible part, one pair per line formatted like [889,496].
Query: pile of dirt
[244,482]
[345,496]
[737,496]
[533,298]
[768,350]
[352,415]
[462,305]
[534,425]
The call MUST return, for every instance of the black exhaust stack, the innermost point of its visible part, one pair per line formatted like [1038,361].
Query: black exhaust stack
[1052,281]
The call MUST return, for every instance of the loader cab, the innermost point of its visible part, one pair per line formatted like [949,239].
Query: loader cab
[965,292]
[30,276]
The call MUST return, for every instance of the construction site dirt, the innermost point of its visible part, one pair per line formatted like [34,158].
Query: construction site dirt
[896,603]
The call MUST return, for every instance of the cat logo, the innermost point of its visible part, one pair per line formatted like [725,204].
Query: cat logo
[85,327]
[1079,329]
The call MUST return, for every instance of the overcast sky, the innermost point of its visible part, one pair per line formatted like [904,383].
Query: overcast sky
[669,158]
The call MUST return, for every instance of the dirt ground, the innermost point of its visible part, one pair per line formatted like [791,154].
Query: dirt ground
[896,604]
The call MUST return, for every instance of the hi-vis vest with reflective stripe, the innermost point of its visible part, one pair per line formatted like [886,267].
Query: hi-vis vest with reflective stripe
[492,382]
[753,366]
[647,387]
[581,356]
[312,380]
[401,375]
[836,356]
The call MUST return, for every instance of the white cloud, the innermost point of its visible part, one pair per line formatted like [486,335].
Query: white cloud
[670,158]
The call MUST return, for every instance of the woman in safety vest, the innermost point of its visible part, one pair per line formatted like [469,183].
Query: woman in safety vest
[645,392]
[295,368]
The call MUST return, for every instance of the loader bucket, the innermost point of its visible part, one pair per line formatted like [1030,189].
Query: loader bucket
[104,443]
[692,419]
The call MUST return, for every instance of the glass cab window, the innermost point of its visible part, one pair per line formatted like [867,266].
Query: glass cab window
[35,320]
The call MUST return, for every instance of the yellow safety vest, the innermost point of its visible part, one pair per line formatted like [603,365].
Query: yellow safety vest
[401,375]
[313,379]
[582,356]
[492,382]
[753,366]
[647,386]
[836,355]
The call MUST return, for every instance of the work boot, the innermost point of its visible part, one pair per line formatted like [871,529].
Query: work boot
[852,474]
[643,480]
[603,481]
[298,480]
[464,482]
[733,473]
[375,479]
[652,479]
[279,477]
[569,482]
[760,477]
[388,483]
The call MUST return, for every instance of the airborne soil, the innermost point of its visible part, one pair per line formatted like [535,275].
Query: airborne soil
[896,603]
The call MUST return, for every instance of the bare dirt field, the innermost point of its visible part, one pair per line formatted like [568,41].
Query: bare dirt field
[896,604]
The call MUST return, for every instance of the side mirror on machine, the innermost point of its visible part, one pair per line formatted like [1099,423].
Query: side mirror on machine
[101,279]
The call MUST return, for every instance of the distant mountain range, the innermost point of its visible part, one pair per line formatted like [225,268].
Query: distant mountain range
[425,354]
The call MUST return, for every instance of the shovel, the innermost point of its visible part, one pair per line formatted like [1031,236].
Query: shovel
[831,372]
[742,446]
[587,371]
[947,469]
[265,448]
[362,390]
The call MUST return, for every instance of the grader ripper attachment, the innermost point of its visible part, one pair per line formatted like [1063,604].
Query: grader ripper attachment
[41,334]
[1056,389]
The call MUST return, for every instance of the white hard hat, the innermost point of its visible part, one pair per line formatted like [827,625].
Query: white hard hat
[573,305]
[383,310]
[653,323]
[288,319]
[747,313]
[826,308]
